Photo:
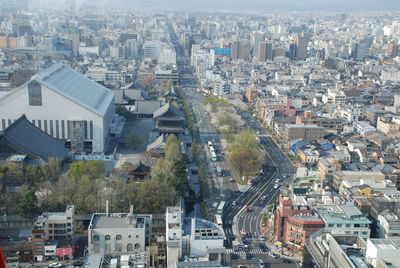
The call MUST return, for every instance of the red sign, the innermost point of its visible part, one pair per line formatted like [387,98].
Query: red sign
[62,252]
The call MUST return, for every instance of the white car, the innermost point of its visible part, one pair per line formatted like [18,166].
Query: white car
[276,186]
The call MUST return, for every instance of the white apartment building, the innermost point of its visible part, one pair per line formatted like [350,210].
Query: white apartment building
[118,233]
[202,61]
[152,50]
[192,238]
[388,225]
[381,252]
[167,56]
[334,97]
[391,74]
[344,219]
[65,104]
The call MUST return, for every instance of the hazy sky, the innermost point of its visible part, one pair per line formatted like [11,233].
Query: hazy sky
[260,5]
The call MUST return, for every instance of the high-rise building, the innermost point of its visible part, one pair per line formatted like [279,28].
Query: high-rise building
[256,38]
[301,42]
[292,51]
[75,36]
[393,50]
[240,50]
[209,29]
[264,51]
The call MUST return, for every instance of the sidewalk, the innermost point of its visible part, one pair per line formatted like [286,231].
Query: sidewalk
[280,250]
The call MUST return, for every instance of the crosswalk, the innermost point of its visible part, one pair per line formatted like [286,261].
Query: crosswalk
[252,251]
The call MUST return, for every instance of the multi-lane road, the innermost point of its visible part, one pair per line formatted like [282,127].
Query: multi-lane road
[277,167]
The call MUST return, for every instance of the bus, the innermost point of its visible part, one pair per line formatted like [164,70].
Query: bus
[221,207]
[213,156]
[218,220]
[219,171]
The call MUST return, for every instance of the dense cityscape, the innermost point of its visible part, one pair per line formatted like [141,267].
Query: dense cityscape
[155,136]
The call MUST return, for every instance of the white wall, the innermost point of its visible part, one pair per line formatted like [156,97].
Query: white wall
[54,107]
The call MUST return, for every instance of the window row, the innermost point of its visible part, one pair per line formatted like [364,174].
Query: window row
[108,237]
[60,129]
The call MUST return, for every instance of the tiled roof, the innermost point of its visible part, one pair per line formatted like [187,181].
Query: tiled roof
[26,138]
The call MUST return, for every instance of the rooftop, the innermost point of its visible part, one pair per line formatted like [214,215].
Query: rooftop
[28,139]
[116,220]
[76,87]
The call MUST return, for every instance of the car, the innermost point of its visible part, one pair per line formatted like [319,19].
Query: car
[234,256]
[273,255]
[277,180]
[234,203]
[249,256]
[245,242]
[55,265]
[276,186]
[263,247]
[231,179]
[78,264]
[263,198]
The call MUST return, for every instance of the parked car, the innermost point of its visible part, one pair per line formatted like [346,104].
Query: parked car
[55,265]
[276,186]
[263,198]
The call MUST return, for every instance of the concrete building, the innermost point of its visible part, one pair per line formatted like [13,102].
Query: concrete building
[264,51]
[45,98]
[192,238]
[310,133]
[119,233]
[391,74]
[240,50]
[152,50]
[344,219]
[301,43]
[331,250]
[383,252]
[388,225]
[52,226]
[386,125]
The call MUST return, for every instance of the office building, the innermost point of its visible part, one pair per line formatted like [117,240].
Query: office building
[240,50]
[301,42]
[264,51]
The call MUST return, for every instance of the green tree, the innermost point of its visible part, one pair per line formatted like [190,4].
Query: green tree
[179,180]
[27,205]
[245,140]
[172,148]
[53,170]
[244,156]
[90,169]
[133,139]
[153,196]
[32,174]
